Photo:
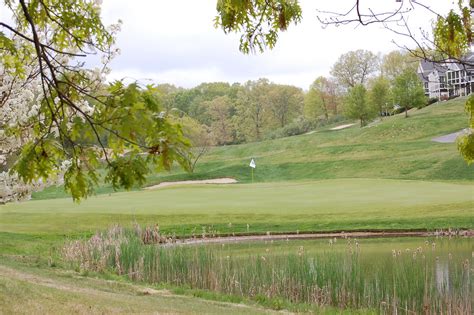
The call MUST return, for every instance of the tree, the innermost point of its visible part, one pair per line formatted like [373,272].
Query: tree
[203,93]
[285,103]
[167,94]
[453,32]
[259,21]
[357,105]
[200,137]
[408,90]
[74,110]
[466,141]
[355,67]
[221,126]
[319,98]
[395,62]
[253,108]
[379,94]
[335,95]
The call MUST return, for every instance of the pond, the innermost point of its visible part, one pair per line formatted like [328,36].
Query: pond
[386,275]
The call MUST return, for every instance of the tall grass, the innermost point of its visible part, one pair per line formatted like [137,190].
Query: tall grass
[422,280]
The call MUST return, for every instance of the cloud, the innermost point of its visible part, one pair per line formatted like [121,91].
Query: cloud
[176,42]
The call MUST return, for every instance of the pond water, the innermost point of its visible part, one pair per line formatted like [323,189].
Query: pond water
[386,275]
[447,260]
[458,247]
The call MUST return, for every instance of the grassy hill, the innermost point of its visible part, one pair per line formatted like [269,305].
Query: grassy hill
[394,148]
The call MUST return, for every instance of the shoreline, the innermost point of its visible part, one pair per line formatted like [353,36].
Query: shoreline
[322,235]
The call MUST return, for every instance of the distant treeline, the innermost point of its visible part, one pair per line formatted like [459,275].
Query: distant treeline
[362,85]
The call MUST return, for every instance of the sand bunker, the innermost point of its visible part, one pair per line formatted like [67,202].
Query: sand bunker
[193,182]
[342,127]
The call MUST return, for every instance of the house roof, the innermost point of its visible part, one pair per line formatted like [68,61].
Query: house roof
[427,67]
[467,62]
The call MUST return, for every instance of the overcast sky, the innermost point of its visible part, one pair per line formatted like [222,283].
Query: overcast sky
[176,42]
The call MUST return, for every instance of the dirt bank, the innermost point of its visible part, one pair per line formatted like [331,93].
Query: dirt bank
[308,236]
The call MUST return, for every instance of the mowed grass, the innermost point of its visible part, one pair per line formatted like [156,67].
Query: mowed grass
[25,290]
[342,204]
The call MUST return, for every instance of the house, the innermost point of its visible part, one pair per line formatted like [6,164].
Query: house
[448,79]
[433,76]
[460,77]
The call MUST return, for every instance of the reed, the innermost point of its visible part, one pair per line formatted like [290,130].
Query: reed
[421,280]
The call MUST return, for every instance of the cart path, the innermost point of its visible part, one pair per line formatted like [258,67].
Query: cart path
[450,138]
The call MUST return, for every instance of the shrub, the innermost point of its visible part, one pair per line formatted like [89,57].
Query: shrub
[431,100]
[301,126]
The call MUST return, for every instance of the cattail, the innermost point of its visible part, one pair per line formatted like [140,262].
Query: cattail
[465,264]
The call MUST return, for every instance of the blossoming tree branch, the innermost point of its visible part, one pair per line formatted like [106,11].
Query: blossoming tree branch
[58,118]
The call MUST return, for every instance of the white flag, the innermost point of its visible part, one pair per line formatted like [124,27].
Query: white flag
[252,164]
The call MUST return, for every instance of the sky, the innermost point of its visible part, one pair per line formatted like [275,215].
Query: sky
[176,42]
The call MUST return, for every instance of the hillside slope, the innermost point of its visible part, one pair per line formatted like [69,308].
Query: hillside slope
[396,147]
